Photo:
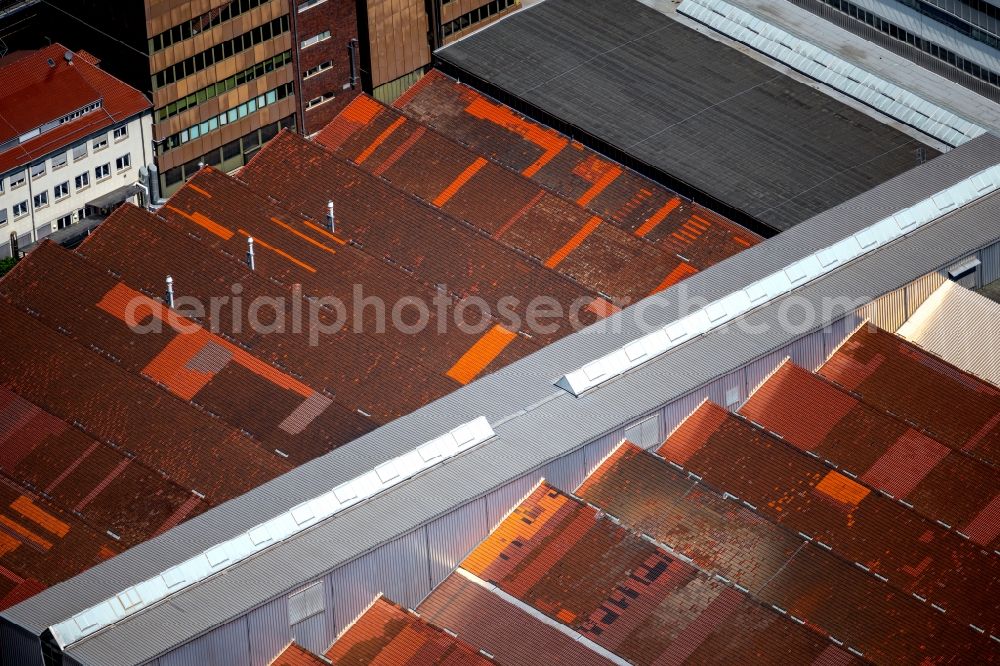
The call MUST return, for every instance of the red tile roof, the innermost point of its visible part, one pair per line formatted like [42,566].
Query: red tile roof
[190,362]
[32,94]
[635,204]
[575,565]
[747,546]
[400,229]
[388,634]
[886,453]
[912,553]
[512,635]
[954,407]
[516,211]
[296,655]
[108,463]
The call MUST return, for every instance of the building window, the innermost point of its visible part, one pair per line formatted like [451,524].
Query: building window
[41,200]
[59,161]
[83,180]
[60,190]
[316,101]
[123,162]
[120,133]
[322,67]
[3,216]
[102,172]
[220,52]
[232,115]
[476,15]
[309,4]
[20,209]
[101,143]
[64,221]
[79,152]
[38,170]
[220,87]
[17,180]
[2,180]
[316,39]
[199,24]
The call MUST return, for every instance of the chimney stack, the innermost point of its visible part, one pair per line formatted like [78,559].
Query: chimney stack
[250,261]
[170,292]
[330,219]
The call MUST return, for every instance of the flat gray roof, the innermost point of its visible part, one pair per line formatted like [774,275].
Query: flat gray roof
[534,421]
[702,117]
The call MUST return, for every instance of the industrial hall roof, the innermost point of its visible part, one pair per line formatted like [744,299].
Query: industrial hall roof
[743,138]
[520,402]
[50,99]
[98,468]
[959,325]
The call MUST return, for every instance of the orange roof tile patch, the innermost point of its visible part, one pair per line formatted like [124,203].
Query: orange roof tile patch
[361,110]
[574,242]
[550,141]
[400,150]
[481,354]
[461,180]
[598,172]
[40,516]
[379,140]
[295,232]
[657,217]
[25,533]
[842,489]
[278,251]
[678,273]
[204,193]
[204,222]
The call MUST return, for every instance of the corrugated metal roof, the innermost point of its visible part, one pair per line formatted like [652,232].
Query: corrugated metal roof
[502,395]
[943,483]
[754,550]
[671,98]
[895,375]
[961,327]
[596,251]
[642,602]
[913,554]
[513,634]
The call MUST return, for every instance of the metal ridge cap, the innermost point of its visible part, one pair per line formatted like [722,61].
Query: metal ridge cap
[276,530]
[781,282]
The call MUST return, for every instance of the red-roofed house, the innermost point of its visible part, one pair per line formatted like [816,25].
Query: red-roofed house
[73,140]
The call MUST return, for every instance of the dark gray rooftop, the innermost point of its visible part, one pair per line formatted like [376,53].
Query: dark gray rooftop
[534,422]
[684,108]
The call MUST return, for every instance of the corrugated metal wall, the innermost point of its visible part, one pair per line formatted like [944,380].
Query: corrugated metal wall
[226,645]
[453,536]
[990,267]
[18,646]
[397,569]
[268,631]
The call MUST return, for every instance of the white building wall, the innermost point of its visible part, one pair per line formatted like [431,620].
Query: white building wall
[37,222]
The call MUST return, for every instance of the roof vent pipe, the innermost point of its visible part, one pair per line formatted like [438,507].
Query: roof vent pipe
[68,57]
[330,219]
[170,292]
[250,261]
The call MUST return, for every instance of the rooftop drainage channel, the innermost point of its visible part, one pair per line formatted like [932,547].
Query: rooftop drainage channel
[274,531]
[779,283]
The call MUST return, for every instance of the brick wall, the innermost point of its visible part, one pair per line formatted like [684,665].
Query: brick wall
[340,18]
